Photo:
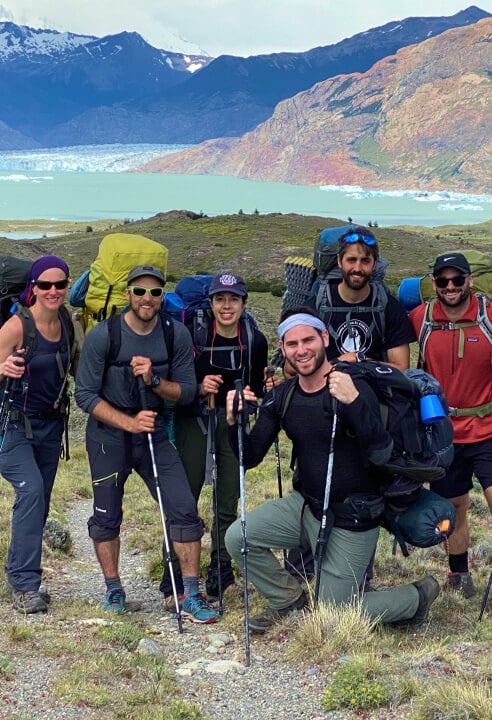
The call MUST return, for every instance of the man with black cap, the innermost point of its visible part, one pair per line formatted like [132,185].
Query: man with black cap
[107,388]
[234,349]
[460,357]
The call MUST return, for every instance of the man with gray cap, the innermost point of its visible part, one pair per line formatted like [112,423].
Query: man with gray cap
[460,357]
[117,355]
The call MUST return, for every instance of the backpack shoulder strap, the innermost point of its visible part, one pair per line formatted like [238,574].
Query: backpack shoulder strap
[483,319]
[28,330]
[425,330]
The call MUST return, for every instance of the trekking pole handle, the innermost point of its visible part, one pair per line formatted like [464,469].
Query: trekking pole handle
[142,392]
[211,401]
[238,384]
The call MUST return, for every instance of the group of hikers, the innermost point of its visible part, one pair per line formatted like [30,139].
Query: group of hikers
[132,364]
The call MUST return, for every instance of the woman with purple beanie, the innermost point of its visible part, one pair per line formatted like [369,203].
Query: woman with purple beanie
[33,369]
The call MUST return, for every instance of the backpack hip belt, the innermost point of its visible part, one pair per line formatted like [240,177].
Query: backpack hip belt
[478,410]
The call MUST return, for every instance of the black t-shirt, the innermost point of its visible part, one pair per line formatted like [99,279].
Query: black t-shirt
[361,330]
[225,357]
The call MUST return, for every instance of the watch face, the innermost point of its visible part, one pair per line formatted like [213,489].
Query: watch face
[155,380]
[361,357]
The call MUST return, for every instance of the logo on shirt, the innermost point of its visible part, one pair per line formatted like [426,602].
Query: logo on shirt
[353,336]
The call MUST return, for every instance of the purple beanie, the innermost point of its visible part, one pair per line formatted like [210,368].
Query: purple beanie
[37,268]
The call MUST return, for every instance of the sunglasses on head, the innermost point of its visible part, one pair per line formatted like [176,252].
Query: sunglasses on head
[457,280]
[141,291]
[357,237]
[47,284]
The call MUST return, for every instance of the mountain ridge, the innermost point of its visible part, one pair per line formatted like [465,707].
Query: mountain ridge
[417,119]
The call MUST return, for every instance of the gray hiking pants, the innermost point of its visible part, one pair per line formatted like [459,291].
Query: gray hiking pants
[277,524]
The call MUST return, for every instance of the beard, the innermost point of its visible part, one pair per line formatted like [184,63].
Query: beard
[355,282]
[319,358]
[462,298]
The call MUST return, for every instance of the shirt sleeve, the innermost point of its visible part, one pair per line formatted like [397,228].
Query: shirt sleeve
[182,369]
[398,329]
[257,442]
[91,367]
[364,416]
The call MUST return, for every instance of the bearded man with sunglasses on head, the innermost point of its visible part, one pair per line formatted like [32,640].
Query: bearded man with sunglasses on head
[459,355]
[364,320]
[117,430]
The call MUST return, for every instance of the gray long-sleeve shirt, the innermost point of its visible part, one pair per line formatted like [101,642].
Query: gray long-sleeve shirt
[115,383]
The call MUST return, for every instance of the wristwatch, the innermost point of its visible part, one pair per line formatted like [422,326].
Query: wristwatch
[360,356]
[155,381]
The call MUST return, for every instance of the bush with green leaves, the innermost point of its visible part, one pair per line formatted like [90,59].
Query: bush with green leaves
[353,688]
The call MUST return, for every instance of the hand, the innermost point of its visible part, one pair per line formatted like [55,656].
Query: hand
[142,366]
[144,421]
[210,384]
[14,365]
[270,378]
[232,410]
[347,357]
[341,387]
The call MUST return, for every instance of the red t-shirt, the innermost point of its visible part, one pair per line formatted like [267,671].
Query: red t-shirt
[467,380]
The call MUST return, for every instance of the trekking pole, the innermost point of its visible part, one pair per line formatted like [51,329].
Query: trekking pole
[212,417]
[485,598]
[143,398]
[270,373]
[322,540]
[8,397]
[242,495]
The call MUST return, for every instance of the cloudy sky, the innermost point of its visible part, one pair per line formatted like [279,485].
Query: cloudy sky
[237,27]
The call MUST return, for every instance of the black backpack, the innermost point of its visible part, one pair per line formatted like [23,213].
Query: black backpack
[14,273]
[422,452]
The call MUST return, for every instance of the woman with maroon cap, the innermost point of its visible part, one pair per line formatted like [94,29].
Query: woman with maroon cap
[32,376]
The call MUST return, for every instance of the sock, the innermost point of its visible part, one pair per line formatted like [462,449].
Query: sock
[459,563]
[190,585]
[113,582]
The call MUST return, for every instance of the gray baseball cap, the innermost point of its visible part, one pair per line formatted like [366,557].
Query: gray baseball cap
[150,270]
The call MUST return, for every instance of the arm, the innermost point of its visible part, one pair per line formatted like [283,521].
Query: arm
[181,387]
[11,338]
[259,360]
[360,408]
[399,357]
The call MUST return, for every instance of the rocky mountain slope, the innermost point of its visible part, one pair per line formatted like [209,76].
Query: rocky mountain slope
[418,119]
[64,89]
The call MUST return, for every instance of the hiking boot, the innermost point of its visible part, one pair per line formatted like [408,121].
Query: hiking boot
[44,594]
[212,579]
[259,624]
[462,583]
[428,590]
[196,609]
[114,601]
[29,602]
[166,588]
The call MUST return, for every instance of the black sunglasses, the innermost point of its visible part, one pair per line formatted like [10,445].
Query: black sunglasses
[141,291]
[47,284]
[457,280]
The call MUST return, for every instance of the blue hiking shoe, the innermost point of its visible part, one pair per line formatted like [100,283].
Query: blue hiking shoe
[114,601]
[196,609]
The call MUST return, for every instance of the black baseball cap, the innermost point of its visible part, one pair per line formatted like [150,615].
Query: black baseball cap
[452,260]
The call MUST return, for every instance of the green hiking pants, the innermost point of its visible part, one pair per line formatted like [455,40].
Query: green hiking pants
[191,443]
[279,524]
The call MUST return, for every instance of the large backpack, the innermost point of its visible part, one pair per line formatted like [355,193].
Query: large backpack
[101,290]
[14,273]
[421,452]
[414,291]
[190,304]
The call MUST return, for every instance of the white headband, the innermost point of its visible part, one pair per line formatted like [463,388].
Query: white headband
[299,319]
